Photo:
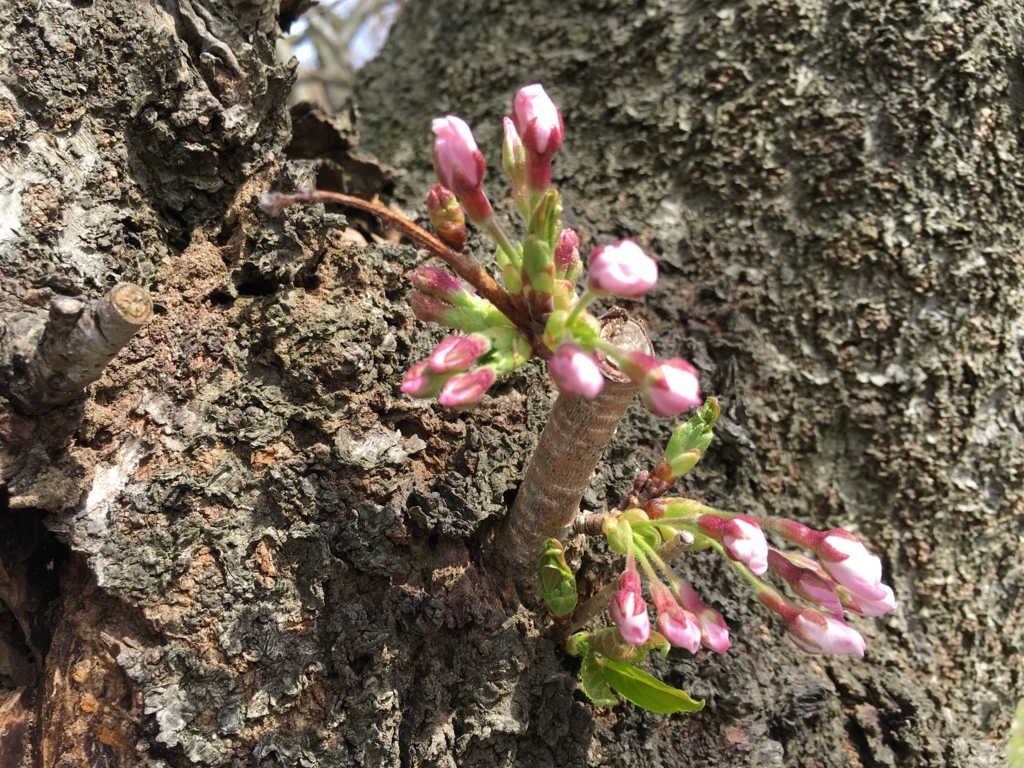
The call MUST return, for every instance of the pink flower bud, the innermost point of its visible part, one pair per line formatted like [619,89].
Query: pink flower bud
[622,269]
[538,120]
[459,163]
[575,372]
[815,633]
[678,625]
[439,283]
[431,310]
[850,564]
[870,608]
[803,575]
[714,630]
[567,256]
[466,388]
[457,353]
[744,542]
[419,381]
[671,388]
[460,166]
[680,628]
[629,610]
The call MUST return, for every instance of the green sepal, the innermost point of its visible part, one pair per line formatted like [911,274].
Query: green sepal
[645,690]
[619,534]
[556,581]
[690,440]
[564,294]
[586,330]
[509,349]
[593,684]
[609,642]
[539,264]
[512,277]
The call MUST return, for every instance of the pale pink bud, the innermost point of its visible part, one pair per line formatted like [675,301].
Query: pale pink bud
[850,564]
[744,542]
[714,631]
[538,120]
[622,269]
[671,388]
[438,282]
[466,388]
[870,608]
[457,353]
[680,628]
[460,165]
[803,575]
[629,610]
[419,381]
[815,633]
[575,372]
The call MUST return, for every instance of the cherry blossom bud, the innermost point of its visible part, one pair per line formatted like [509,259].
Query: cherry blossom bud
[438,282]
[815,633]
[629,610]
[537,120]
[744,542]
[419,381]
[870,608]
[466,388]
[803,575]
[671,387]
[622,269]
[575,372]
[568,264]
[457,353]
[446,217]
[460,165]
[850,564]
[513,160]
[679,626]
[714,631]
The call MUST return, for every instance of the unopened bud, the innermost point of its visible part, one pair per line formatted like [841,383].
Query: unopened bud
[446,217]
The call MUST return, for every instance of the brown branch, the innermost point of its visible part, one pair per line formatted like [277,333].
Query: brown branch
[47,360]
[464,264]
[573,440]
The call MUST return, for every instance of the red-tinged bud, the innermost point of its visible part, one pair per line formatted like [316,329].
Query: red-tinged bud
[815,633]
[575,372]
[621,269]
[568,264]
[540,127]
[460,166]
[677,508]
[446,217]
[806,582]
[714,631]
[419,381]
[432,310]
[458,353]
[438,282]
[466,389]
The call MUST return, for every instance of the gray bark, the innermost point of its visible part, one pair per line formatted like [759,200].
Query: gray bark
[834,191]
[246,547]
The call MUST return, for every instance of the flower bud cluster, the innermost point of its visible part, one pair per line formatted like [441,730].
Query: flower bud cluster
[845,577]
[540,273]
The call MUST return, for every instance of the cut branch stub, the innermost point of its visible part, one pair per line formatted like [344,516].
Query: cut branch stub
[48,359]
[573,441]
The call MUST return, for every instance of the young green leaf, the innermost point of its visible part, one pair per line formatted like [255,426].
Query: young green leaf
[593,683]
[644,690]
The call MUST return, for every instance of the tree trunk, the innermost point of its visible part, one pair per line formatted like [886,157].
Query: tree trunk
[834,191]
[243,546]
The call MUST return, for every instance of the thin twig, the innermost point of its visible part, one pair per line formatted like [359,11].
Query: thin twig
[464,264]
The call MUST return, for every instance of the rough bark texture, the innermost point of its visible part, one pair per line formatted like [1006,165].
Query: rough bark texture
[245,547]
[834,191]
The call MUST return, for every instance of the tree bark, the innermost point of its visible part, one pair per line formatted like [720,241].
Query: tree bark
[243,546]
[832,191]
